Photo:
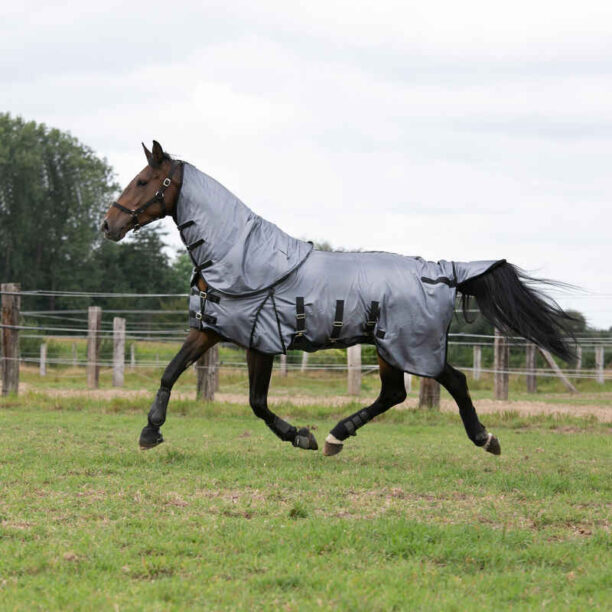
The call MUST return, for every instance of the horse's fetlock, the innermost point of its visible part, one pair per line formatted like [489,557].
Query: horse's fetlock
[480,438]
[157,413]
[304,439]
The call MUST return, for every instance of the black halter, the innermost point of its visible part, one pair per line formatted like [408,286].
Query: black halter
[158,197]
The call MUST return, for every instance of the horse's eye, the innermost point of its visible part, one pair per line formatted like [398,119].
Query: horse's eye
[141,183]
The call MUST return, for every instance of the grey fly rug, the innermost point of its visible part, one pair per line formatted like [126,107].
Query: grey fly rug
[271,292]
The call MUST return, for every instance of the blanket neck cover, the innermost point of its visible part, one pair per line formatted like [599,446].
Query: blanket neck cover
[240,252]
[271,292]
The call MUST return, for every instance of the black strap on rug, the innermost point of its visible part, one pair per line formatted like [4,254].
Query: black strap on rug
[300,318]
[373,315]
[185,225]
[337,324]
[204,265]
[195,245]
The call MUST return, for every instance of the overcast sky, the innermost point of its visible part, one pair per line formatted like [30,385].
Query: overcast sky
[451,130]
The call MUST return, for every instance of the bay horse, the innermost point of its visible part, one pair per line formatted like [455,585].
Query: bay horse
[261,283]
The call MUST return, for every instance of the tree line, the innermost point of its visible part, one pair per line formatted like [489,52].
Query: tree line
[54,191]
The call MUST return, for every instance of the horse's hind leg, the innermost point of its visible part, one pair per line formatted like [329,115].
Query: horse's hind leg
[195,345]
[455,383]
[260,371]
[392,392]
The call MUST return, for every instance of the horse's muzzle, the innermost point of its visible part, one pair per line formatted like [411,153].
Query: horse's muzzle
[111,233]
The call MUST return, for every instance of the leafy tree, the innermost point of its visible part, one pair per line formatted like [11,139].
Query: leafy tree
[53,190]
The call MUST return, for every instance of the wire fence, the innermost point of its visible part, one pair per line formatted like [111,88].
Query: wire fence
[168,326]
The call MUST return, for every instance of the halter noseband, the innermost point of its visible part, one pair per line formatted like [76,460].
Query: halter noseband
[158,197]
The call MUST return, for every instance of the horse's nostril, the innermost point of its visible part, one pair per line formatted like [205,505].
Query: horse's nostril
[104,227]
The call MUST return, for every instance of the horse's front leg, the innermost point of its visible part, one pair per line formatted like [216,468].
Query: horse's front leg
[195,345]
[260,371]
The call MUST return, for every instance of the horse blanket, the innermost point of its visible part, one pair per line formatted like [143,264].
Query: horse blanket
[271,292]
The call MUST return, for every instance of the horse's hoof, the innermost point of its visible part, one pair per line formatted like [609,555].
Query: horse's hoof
[150,438]
[304,439]
[331,449]
[492,445]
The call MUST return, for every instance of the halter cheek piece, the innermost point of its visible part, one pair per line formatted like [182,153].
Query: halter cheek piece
[158,197]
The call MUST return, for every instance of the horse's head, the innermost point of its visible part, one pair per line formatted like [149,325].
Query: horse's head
[151,195]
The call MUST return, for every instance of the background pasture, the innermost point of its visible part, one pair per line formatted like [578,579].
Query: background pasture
[224,516]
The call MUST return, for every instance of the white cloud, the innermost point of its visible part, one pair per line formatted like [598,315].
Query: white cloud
[452,130]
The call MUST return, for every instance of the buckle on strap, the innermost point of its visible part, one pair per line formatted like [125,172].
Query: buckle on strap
[205,295]
[300,317]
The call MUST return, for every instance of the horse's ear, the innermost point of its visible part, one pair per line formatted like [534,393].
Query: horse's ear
[148,154]
[158,153]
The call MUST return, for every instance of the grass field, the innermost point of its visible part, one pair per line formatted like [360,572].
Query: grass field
[225,516]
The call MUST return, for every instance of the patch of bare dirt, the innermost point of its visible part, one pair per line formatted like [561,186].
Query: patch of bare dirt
[602,413]
[524,408]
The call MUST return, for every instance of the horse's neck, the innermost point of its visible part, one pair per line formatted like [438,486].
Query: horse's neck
[236,250]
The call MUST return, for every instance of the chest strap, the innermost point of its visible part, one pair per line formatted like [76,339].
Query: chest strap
[195,245]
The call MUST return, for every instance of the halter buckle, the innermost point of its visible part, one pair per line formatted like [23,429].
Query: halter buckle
[166,182]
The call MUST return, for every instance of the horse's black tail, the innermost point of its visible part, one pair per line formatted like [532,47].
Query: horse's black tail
[507,298]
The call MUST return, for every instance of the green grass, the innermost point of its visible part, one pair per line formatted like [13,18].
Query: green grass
[225,516]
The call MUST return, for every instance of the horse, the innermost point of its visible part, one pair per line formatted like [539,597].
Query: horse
[258,287]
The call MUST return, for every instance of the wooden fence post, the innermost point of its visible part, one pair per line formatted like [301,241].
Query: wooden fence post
[530,366]
[557,370]
[477,364]
[578,358]
[500,365]
[429,393]
[304,361]
[408,382]
[207,374]
[43,359]
[11,304]
[283,364]
[599,364]
[353,358]
[118,351]
[93,346]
